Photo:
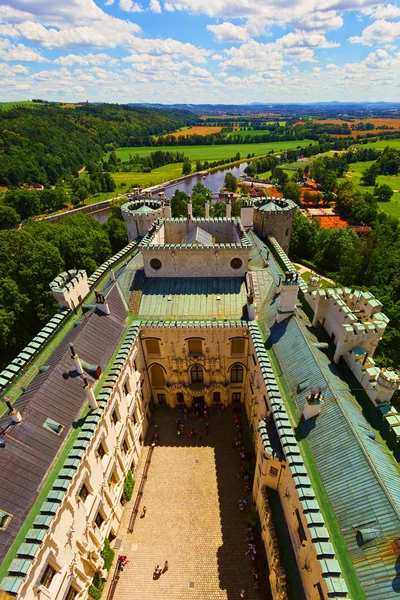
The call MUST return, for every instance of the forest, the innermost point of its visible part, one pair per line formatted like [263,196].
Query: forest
[52,142]
[31,257]
[370,262]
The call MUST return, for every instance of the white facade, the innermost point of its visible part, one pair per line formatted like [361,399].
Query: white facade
[70,288]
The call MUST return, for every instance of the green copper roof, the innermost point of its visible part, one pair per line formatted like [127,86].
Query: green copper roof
[193,298]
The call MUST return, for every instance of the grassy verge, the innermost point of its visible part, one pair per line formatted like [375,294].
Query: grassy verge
[160,175]
[346,565]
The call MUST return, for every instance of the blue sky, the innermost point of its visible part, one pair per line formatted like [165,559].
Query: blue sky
[197,51]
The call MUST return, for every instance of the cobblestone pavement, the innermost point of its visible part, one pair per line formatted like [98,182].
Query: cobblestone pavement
[192,519]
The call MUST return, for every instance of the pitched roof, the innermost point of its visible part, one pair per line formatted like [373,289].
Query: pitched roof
[198,236]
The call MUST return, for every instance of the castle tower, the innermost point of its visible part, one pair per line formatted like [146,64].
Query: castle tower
[246,214]
[274,216]
[140,214]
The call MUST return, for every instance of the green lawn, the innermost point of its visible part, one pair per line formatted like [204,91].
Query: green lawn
[324,283]
[354,174]
[146,179]
[216,152]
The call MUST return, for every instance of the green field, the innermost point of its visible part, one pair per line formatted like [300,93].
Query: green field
[146,179]
[24,103]
[252,132]
[354,174]
[216,152]
[381,144]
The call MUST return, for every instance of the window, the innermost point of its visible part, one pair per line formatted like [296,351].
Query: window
[71,594]
[5,518]
[155,264]
[238,346]
[100,450]
[153,347]
[300,530]
[99,520]
[217,397]
[133,416]
[157,376]
[236,396]
[114,416]
[237,373]
[195,346]
[48,576]
[113,481]
[236,263]
[273,472]
[126,388]
[197,374]
[83,492]
[179,398]
[125,447]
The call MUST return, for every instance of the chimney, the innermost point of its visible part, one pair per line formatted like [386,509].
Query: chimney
[77,361]
[228,208]
[190,208]
[167,208]
[313,404]
[207,209]
[101,303]
[90,394]
[288,296]
[112,275]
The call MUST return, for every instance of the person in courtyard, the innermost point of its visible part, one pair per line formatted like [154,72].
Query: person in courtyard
[165,568]
[243,593]
[144,511]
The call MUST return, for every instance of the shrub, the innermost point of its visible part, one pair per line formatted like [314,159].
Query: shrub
[128,486]
[253,517]
[107,554]
[96,589]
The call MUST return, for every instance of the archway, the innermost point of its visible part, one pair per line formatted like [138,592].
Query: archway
[157,376]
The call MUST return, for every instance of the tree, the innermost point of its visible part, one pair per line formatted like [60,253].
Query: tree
[230,182]
[292,191]
[8,217]
[236,207]
[280,176]
[218,209]
[179,202]
[304,235]
[383,193]
[186,167]
[369,175]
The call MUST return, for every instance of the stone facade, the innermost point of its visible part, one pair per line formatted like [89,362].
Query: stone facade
[275,217]
[140,214]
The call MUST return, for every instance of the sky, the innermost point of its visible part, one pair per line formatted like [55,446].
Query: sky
[200,51]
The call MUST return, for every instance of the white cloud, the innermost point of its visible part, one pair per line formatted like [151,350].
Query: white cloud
[57,24]
[85,60]
[130,6]
[228,32]
[19,52]
[387,11]
[168,7]
[170,47]
[155,6]
[108,2]
[200,73]
[379,33]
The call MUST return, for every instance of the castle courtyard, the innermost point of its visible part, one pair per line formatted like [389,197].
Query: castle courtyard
[193,520]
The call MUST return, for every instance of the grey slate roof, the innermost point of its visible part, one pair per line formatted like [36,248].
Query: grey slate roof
[199,236]
[360,477]
[57,394]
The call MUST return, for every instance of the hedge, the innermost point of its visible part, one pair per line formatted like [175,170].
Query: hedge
[128,486]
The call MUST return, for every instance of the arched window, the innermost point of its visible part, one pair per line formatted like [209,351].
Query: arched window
[237,373]
[157,376]
[197,374]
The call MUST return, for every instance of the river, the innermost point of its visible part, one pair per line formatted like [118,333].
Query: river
[213,181]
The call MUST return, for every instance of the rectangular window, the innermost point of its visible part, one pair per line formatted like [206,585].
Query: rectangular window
[300,530]
[195,346]
[83,492]
[236,397]
[238,346]
[71,594]
[273,472]
[114,417]
[113,478]
[134,419]
[126,388]
[125,447]
[99,520]
[48,576]
[100,450]
[153,347]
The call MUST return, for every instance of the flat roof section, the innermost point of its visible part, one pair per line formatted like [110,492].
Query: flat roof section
[193,298]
